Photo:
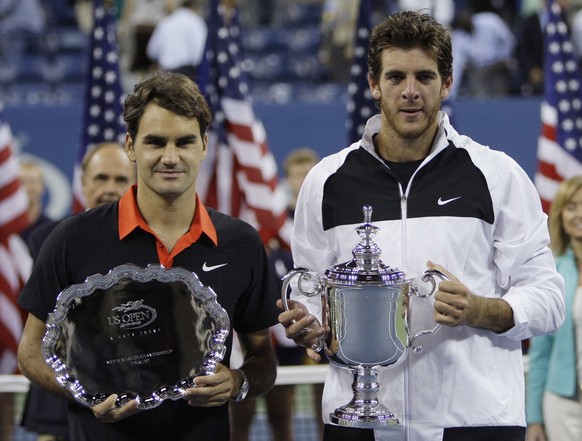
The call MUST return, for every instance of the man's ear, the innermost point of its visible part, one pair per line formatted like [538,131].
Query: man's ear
[374,88]
[129,151]
[205,144]
[447,86]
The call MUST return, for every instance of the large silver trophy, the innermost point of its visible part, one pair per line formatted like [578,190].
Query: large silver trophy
[366,305]
[140,333]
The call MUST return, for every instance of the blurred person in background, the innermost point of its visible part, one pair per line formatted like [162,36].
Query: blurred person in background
[280,400]
[178,40]
[296,166]
[32,179]
[136,25]
[553,395]
[483,46]
[529,50]
[338,21]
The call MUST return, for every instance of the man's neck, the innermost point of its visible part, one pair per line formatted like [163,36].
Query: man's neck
[392,147]
[170,219]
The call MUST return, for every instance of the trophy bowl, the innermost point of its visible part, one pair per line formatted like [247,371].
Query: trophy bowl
[140,333]
[366,306]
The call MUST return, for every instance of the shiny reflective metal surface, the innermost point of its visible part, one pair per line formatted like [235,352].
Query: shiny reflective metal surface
[142,333]
[365,304]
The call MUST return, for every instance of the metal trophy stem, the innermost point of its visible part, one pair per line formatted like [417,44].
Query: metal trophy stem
[365,409]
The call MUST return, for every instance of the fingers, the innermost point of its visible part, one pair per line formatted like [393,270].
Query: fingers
[444,315]
[434,266]
[313,354]
[451,298]
[451,303]
[207,396]
[281,306]
[210,390]
[300,327]
[108,412]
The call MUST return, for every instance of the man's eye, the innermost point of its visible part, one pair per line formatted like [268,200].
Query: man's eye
[154,142]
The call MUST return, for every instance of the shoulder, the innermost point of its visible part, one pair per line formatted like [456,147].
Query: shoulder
[491,162]
[88,223]
[43,230]
[228,227]
[329,165]
[500,170]
[39,234]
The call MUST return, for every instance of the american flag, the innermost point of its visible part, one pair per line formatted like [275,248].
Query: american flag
[239,175]
[15,262]
[560,141]
[361,105]
[103,111]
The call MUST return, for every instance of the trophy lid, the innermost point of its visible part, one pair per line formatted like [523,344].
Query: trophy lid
[365,268]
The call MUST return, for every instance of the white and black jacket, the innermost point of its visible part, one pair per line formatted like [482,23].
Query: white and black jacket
[472,210]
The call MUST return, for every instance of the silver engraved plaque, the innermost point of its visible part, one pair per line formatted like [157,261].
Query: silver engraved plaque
[142,333]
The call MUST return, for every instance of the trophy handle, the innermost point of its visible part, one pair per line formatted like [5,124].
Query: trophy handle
[304,276]
[427,276]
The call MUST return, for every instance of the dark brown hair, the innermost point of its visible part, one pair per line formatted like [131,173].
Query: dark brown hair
[411,30]
[172,91]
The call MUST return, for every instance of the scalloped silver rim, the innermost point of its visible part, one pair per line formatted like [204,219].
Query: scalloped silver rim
[214,354]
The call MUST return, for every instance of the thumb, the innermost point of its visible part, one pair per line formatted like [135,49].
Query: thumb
[436,267]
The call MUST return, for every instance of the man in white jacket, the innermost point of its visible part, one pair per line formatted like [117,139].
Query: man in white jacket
[178,40]
[445,202]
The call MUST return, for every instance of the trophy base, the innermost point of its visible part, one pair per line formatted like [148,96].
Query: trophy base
[366,418]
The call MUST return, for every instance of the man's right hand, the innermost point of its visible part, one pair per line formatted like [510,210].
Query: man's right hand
[302,327]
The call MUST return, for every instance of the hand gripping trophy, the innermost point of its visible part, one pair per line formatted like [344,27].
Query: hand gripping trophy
[356,295]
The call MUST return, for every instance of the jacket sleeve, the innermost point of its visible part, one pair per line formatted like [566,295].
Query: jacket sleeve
[526,270]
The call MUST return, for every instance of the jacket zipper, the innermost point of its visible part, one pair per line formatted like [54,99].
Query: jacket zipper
[403,214]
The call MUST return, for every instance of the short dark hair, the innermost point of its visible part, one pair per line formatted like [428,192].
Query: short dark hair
[411,30]
[172,91]
[300,155]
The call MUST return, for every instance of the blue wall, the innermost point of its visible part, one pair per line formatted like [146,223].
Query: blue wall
[511,125]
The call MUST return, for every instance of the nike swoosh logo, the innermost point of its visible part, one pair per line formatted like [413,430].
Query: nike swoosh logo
[446,201]
[207,268]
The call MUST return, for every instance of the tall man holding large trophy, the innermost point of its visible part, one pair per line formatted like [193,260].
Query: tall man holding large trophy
[132,303]
[434,203]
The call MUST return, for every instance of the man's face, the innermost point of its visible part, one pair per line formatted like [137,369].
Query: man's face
[168,150]
[410,90]
[107,176]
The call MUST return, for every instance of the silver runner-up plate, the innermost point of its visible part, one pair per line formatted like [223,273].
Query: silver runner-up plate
[142,333]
